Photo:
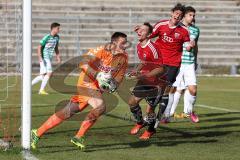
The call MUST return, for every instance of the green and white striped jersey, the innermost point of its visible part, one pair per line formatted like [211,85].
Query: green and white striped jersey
[188,57]
[49,44]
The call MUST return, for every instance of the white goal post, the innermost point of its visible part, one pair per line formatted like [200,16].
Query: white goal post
[26,74]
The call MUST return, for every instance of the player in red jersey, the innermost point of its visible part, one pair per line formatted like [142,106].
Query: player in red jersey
[171,36]
[147,86]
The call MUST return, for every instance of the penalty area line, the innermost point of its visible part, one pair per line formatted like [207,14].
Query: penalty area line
[216,108]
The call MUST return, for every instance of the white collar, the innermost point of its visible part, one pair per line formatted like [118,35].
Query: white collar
[172,26]
[146,44]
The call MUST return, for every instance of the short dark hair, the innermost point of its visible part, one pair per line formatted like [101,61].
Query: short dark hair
[179,7]
[55,24]
[150,27]
[189,9]
[117,35]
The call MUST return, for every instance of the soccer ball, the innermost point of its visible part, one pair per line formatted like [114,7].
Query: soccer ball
[104,80]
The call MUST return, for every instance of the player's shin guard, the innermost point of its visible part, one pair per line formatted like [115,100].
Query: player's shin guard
[44,82]
[57,118]
[190,101]
[169,105]
[150,119]
[90,120]
[137,113]
[164,103]
[177,96]
[186,102]
[37,79]
[162,108]
[52,121]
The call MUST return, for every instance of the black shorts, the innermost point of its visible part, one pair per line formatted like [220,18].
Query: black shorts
[151,93]
[172,73]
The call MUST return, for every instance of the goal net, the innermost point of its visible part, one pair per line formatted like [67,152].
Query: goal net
[10,71]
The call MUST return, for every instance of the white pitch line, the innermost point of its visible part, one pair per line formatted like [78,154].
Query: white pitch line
[220,90]
[216,108]
[197,105]
[12,104]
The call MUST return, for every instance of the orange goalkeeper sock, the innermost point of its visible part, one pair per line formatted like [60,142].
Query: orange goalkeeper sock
[52,121]
[85,126]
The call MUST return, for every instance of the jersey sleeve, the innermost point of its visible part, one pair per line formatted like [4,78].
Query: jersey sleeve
[155,32]
[58,39]
[195,34]
[90,60]
[157,27]
[157,55]
[44,40]
[120,75]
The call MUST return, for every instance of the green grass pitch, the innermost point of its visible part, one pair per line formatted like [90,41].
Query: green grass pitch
[216,137]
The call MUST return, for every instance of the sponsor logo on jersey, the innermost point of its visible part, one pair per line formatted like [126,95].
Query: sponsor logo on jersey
[106,69]
[166,38]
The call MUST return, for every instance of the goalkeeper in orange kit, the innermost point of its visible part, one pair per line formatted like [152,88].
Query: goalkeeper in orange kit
[103,69]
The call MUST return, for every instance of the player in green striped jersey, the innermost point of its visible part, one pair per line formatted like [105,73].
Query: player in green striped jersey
[48,46]
[186,79]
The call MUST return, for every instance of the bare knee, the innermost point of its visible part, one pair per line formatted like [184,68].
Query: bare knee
[180,91]
[149,109]
[172,90]
[95,113]
[98,105]
[100,110]
[68,111]
[192,90]
[133,101]
[49,74]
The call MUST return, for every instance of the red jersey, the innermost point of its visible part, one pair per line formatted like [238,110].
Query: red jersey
[150,57]
[170,41]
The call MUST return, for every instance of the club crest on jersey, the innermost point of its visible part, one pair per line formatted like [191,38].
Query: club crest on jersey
[176,35]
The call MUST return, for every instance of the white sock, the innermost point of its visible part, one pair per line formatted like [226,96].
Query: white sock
[44,82]
[37,79]
[169,106]
[190,101]
[185,101]
[177,96]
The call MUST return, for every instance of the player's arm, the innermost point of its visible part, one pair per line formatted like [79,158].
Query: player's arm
[39,53]
[93,57]
[136,70]
[139,67]
[155,72]
[155,32]
[196,34]
[187,43]
[196,55]
[57,54]
[121,73]
[41,46]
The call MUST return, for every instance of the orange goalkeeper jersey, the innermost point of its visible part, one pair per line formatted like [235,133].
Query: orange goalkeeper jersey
[100,59]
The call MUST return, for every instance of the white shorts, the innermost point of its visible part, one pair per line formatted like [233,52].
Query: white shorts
[186,76]
[45,66]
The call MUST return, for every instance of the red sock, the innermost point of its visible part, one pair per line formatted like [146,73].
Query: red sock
[52,121]
[85,126]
